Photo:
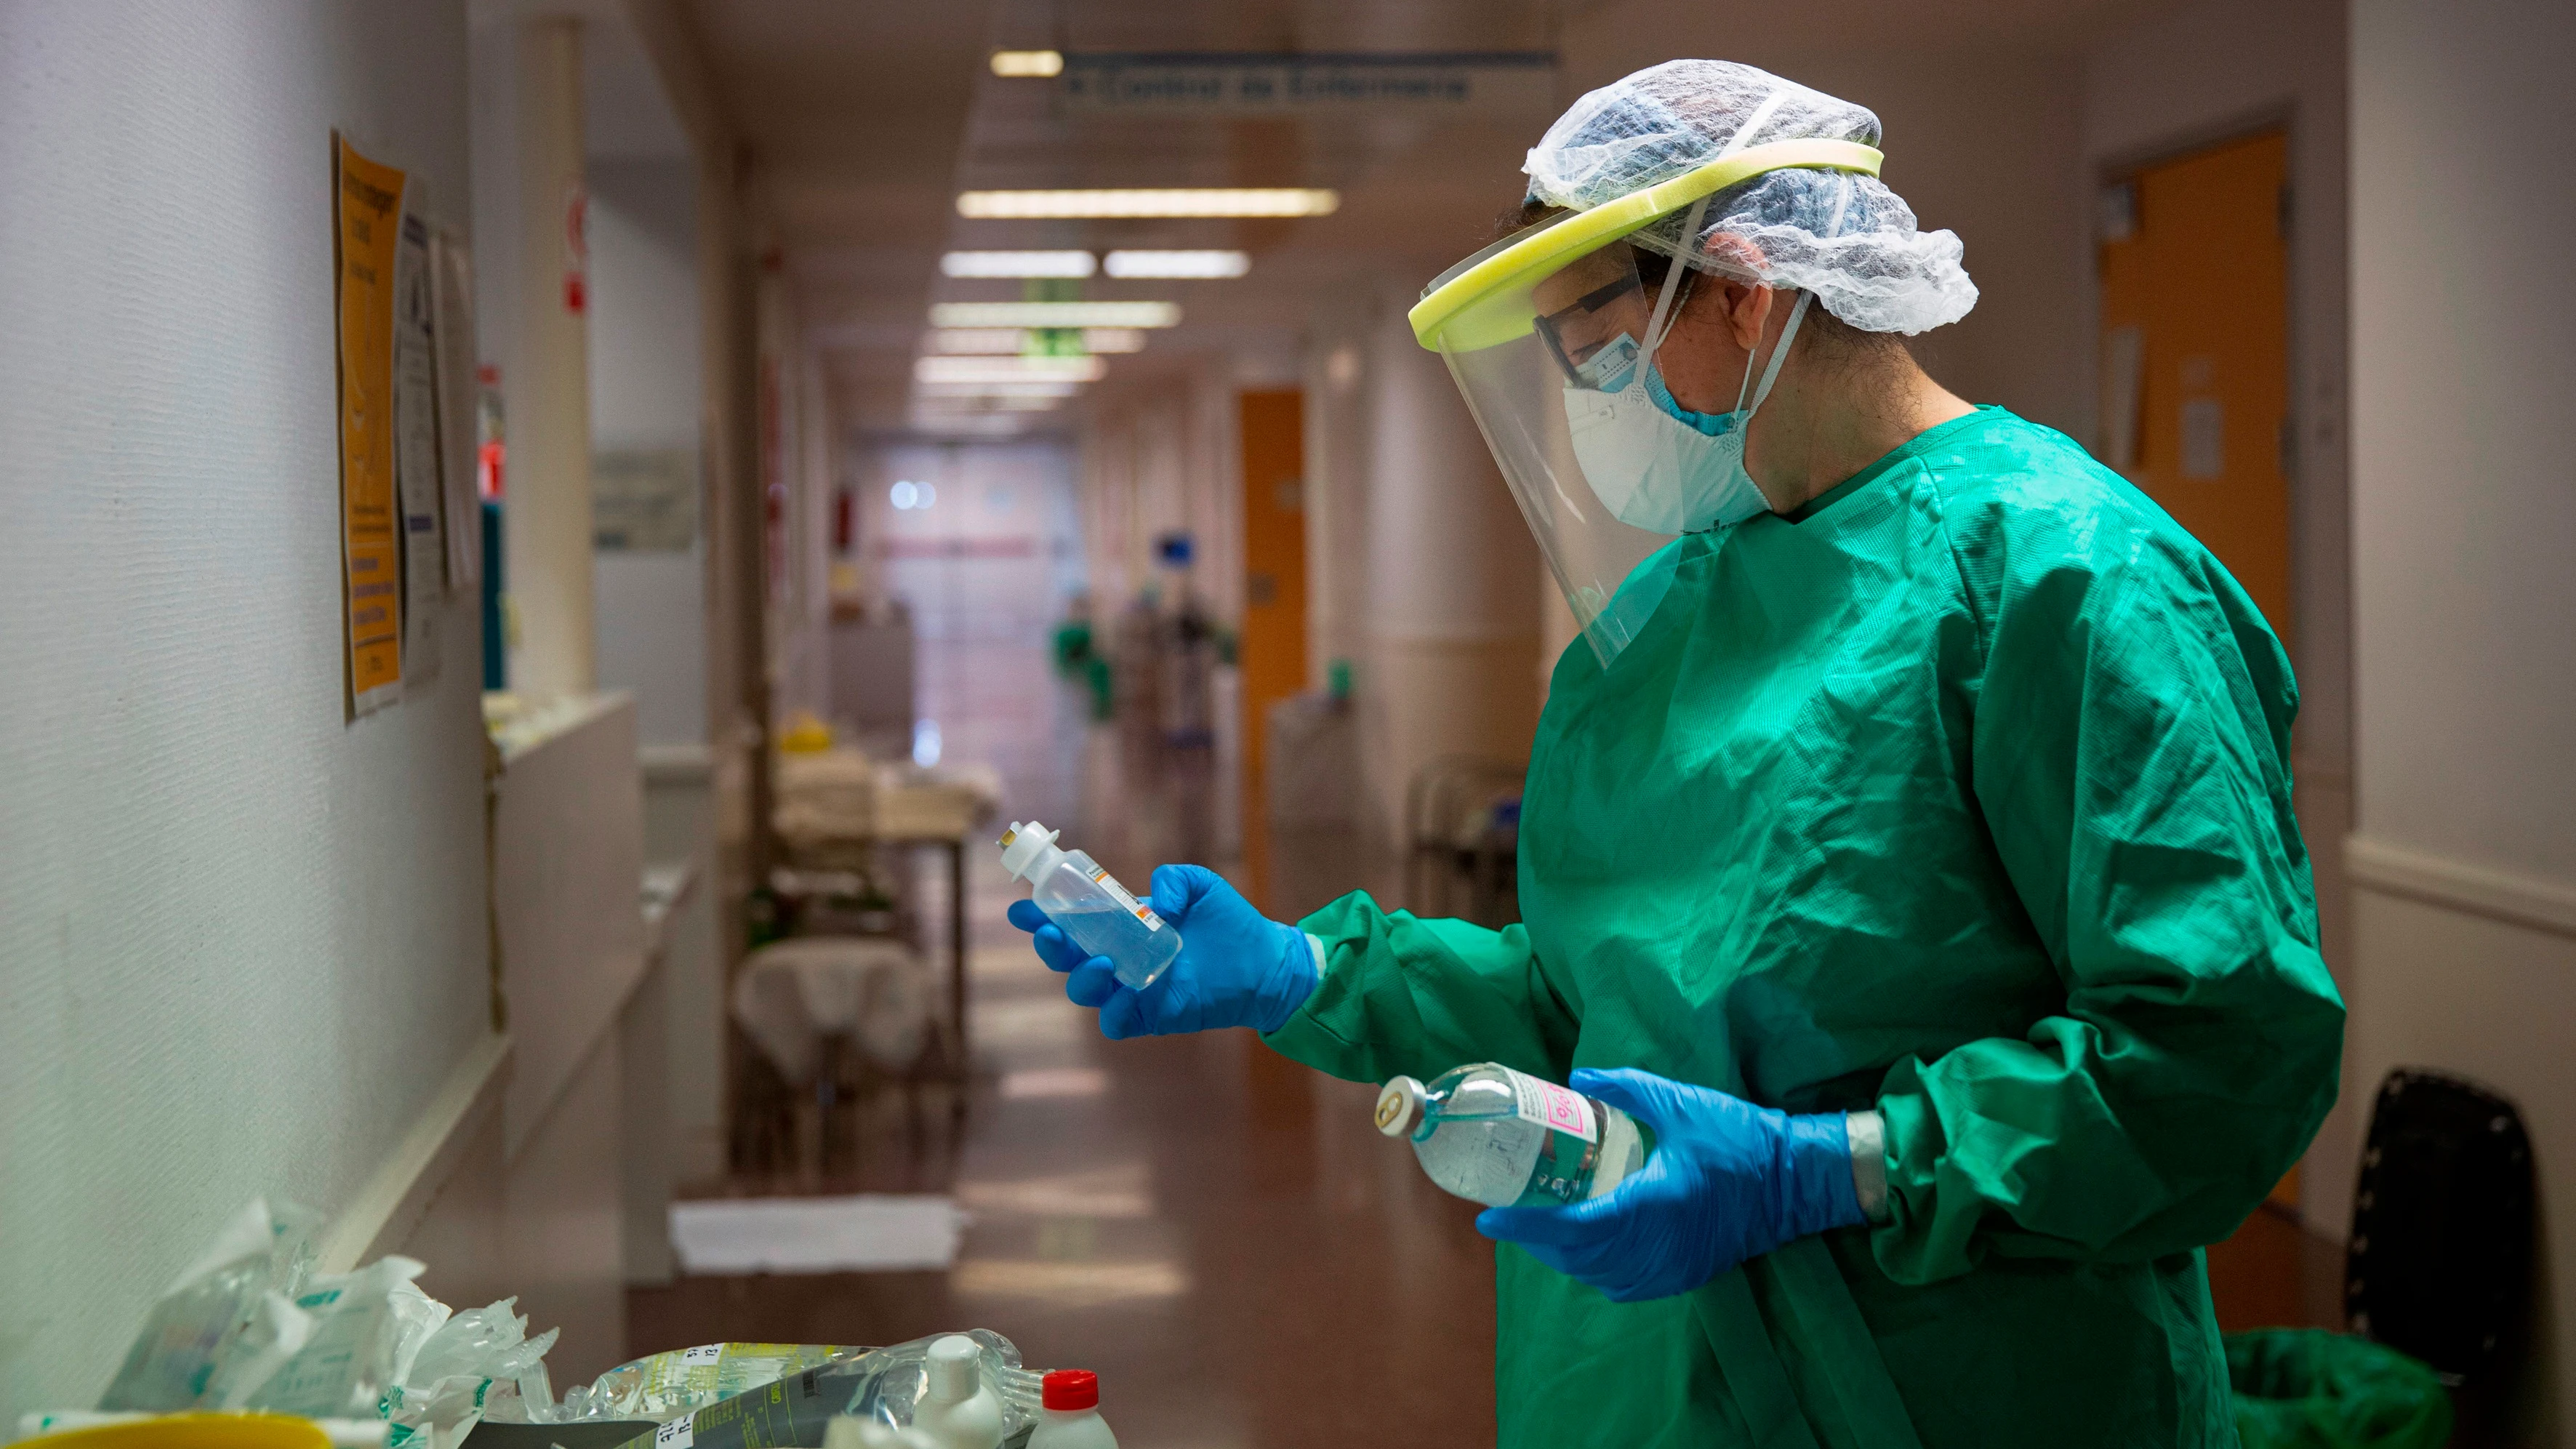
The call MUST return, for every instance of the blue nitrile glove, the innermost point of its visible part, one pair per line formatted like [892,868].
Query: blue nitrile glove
[1237,967]
[1728,1181]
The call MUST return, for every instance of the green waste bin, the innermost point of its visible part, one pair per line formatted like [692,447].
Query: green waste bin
[2305,1388]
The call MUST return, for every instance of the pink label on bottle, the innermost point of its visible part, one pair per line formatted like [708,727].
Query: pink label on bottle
[1135,907]
[1554,1107]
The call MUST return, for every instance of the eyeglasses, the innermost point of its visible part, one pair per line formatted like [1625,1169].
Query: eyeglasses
[1573,333]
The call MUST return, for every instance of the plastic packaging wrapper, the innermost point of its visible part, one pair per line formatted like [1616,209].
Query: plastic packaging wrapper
[887,1382]
[475,1365]
[664,1386]
[878,1386]
[346,1365]
[274,1332]
[217,1330]
[2305,1388]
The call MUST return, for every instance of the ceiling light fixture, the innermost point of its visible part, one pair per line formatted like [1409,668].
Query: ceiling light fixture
[1193,265]
[1008,369]
[1027,64]
[1142,202]
[975,404]
[1033,388]
[1018,264]
[1014,341]
[1055,314]
[980,341]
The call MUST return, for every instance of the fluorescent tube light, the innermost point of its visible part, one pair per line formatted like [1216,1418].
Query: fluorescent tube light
[972,404]
[1055,314]
[980,341]
[1029,388]
[1178,264]
[1163,201]
[1013,341]
[1008,369]
[1028,64]
[1019,264]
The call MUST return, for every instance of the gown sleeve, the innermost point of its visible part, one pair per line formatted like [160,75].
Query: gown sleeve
[1405,996]
[2130,753]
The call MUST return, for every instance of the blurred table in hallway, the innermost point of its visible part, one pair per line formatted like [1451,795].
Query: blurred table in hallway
[840,809]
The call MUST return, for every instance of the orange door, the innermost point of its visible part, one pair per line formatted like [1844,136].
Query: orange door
[2196,352]
[1273,641]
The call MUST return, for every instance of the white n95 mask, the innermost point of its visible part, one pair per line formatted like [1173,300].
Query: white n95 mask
[1653,470]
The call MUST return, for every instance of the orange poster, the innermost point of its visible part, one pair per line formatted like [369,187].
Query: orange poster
[368,207]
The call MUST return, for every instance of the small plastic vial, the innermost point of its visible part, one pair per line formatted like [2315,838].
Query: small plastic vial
[1507,1139]
[1071,1415]
[1088,904]
[957,1410]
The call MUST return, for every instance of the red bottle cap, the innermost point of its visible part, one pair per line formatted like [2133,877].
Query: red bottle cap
[1071,1389]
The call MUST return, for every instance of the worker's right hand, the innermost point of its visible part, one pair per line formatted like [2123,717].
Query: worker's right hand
[1237,967]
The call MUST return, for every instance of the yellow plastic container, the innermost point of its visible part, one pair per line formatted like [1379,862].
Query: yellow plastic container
[195,1431]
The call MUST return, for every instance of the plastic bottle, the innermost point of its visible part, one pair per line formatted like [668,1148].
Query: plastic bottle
[1071,1417]
[1089,905]
[956,1410]
[847,1432]
[1507,1139]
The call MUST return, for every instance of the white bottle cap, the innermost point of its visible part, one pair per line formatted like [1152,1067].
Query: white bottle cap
[955,1370]
[1028,851]
[1399,1106]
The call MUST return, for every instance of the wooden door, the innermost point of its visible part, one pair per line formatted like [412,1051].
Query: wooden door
[2196,352]
[1273,639]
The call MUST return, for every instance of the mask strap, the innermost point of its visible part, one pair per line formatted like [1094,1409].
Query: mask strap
[1780,353]
[1673,279]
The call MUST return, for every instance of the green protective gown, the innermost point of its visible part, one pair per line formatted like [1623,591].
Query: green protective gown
[1963,794]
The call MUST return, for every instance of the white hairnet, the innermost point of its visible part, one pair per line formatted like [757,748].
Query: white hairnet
[1843,236]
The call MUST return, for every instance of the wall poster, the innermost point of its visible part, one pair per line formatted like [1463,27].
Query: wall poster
[367,213]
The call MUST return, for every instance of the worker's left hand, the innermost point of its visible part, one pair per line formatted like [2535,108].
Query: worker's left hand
[1728,1181]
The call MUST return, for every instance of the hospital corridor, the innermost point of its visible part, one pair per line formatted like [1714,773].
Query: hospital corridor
[1249,724]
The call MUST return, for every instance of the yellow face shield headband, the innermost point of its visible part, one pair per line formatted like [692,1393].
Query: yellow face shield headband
[1485,299]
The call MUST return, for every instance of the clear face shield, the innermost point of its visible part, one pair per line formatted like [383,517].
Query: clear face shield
[1564,407]
[1551,334]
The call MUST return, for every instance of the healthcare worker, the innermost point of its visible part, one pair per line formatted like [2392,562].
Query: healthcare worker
[1908,842]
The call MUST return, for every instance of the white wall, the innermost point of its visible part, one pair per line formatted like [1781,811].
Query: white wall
[2464,523]
[241,939]
[1450,662]
[645,387]
[2201,73]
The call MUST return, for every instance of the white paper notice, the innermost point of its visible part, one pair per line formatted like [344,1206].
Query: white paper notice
[417,484]
[452,292]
